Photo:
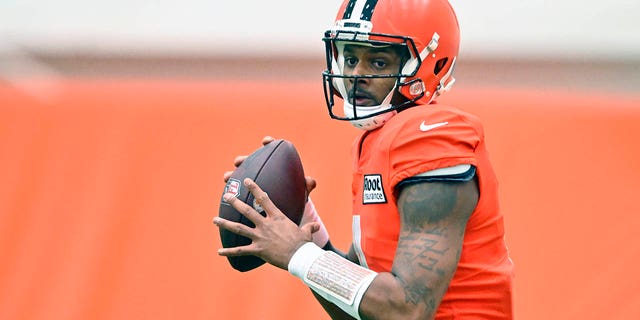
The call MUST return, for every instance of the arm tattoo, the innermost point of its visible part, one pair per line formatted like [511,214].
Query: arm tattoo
[441,198]
[424,254]
[415,294]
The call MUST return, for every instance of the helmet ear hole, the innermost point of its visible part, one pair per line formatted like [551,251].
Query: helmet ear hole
[440,65]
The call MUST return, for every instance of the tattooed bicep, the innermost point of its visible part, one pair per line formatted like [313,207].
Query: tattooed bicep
[430,203]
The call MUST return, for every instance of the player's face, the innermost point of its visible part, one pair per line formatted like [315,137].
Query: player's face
[366,60]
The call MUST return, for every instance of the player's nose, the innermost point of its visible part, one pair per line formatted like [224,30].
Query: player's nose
[359,70]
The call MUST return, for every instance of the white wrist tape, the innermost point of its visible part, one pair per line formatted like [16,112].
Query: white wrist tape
[333,277]
[320,237]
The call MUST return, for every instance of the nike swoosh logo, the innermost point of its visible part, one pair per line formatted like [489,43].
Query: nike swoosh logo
[426,127]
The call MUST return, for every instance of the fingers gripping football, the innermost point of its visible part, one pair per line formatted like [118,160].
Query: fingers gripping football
[274,238]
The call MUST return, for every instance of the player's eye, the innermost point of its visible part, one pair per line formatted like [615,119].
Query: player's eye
[350,62]
[379,63]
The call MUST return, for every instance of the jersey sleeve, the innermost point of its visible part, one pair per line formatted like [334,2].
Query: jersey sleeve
[414,151]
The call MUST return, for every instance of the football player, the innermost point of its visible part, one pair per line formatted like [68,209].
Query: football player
[428,235]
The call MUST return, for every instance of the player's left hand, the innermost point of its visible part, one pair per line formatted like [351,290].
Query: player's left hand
[275,238]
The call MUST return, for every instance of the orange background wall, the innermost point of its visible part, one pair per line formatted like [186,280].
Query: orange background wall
[108,188]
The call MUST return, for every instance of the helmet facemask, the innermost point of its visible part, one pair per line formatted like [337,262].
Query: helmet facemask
[363,116]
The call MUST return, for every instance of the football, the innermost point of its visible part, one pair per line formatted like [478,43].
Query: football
[277,169]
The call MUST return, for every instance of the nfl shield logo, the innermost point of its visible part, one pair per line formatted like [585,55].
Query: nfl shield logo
[232,187]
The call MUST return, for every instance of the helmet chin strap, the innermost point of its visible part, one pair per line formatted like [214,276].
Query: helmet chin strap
[372,122]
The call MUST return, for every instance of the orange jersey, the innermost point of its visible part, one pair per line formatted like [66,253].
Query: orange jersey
[414,141]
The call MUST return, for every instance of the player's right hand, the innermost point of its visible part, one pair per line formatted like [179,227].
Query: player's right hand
[275,238]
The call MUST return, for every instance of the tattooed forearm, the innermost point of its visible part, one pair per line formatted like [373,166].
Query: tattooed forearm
[416,294]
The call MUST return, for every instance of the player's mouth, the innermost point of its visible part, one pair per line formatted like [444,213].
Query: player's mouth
[362,98]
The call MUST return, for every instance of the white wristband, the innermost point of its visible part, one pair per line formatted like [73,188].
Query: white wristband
[333,277]
[320,237]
